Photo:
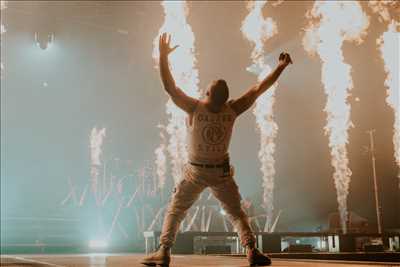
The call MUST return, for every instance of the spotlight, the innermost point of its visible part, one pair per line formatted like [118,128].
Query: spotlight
[222,212]
[44,40]
[98,244]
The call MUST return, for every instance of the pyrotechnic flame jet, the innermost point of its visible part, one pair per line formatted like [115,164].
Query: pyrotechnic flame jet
[3,5]
[257,30]
[332,23]
[182,64]
[381,7]
[389,46]
[96,141]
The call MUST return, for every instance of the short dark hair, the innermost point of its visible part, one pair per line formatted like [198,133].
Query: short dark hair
[220,91]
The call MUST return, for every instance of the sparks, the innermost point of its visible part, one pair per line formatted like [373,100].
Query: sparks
[389,46]
[161,162]
[96,142]
[332,23]
[257,30]
[182,63]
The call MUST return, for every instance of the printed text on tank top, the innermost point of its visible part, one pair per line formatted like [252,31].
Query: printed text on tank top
[209,133]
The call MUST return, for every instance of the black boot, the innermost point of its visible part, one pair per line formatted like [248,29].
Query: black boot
[256,258]
[161,257]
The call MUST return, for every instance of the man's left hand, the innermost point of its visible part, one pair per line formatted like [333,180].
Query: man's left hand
[284,59]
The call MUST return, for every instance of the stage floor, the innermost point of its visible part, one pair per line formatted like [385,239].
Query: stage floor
[133,260]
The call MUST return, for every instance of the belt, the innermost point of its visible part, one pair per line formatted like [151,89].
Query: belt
[209,166]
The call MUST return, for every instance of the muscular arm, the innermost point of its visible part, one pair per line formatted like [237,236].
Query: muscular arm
[244,102]
[182,100]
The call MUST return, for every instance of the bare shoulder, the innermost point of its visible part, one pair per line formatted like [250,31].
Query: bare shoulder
[232,104]
[245,101]
[195,105]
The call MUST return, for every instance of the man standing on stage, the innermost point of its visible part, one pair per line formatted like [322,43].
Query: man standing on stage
[210,122]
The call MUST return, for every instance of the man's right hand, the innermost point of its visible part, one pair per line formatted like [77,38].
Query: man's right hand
[164,45]
[178,96]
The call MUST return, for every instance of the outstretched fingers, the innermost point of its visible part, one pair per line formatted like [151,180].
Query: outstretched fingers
[175,47]
[164,43]
[164,37]
[168,38]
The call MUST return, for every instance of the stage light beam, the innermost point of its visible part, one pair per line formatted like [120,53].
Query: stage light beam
[98,244]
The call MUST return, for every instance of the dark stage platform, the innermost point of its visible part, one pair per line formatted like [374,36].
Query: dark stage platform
[132,260]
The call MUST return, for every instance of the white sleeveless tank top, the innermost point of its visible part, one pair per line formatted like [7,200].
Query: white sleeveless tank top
[209,134]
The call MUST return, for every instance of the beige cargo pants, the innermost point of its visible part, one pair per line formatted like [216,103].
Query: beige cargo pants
[223,187]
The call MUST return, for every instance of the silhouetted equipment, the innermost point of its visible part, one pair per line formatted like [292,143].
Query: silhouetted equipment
[183,245]
[374,248]
[347,243]
[218,250]
[355,223]
[44,39]
[272,242]
[300,248]
[376,194]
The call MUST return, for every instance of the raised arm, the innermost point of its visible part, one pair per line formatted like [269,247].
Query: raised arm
[244,102]
[182,100]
